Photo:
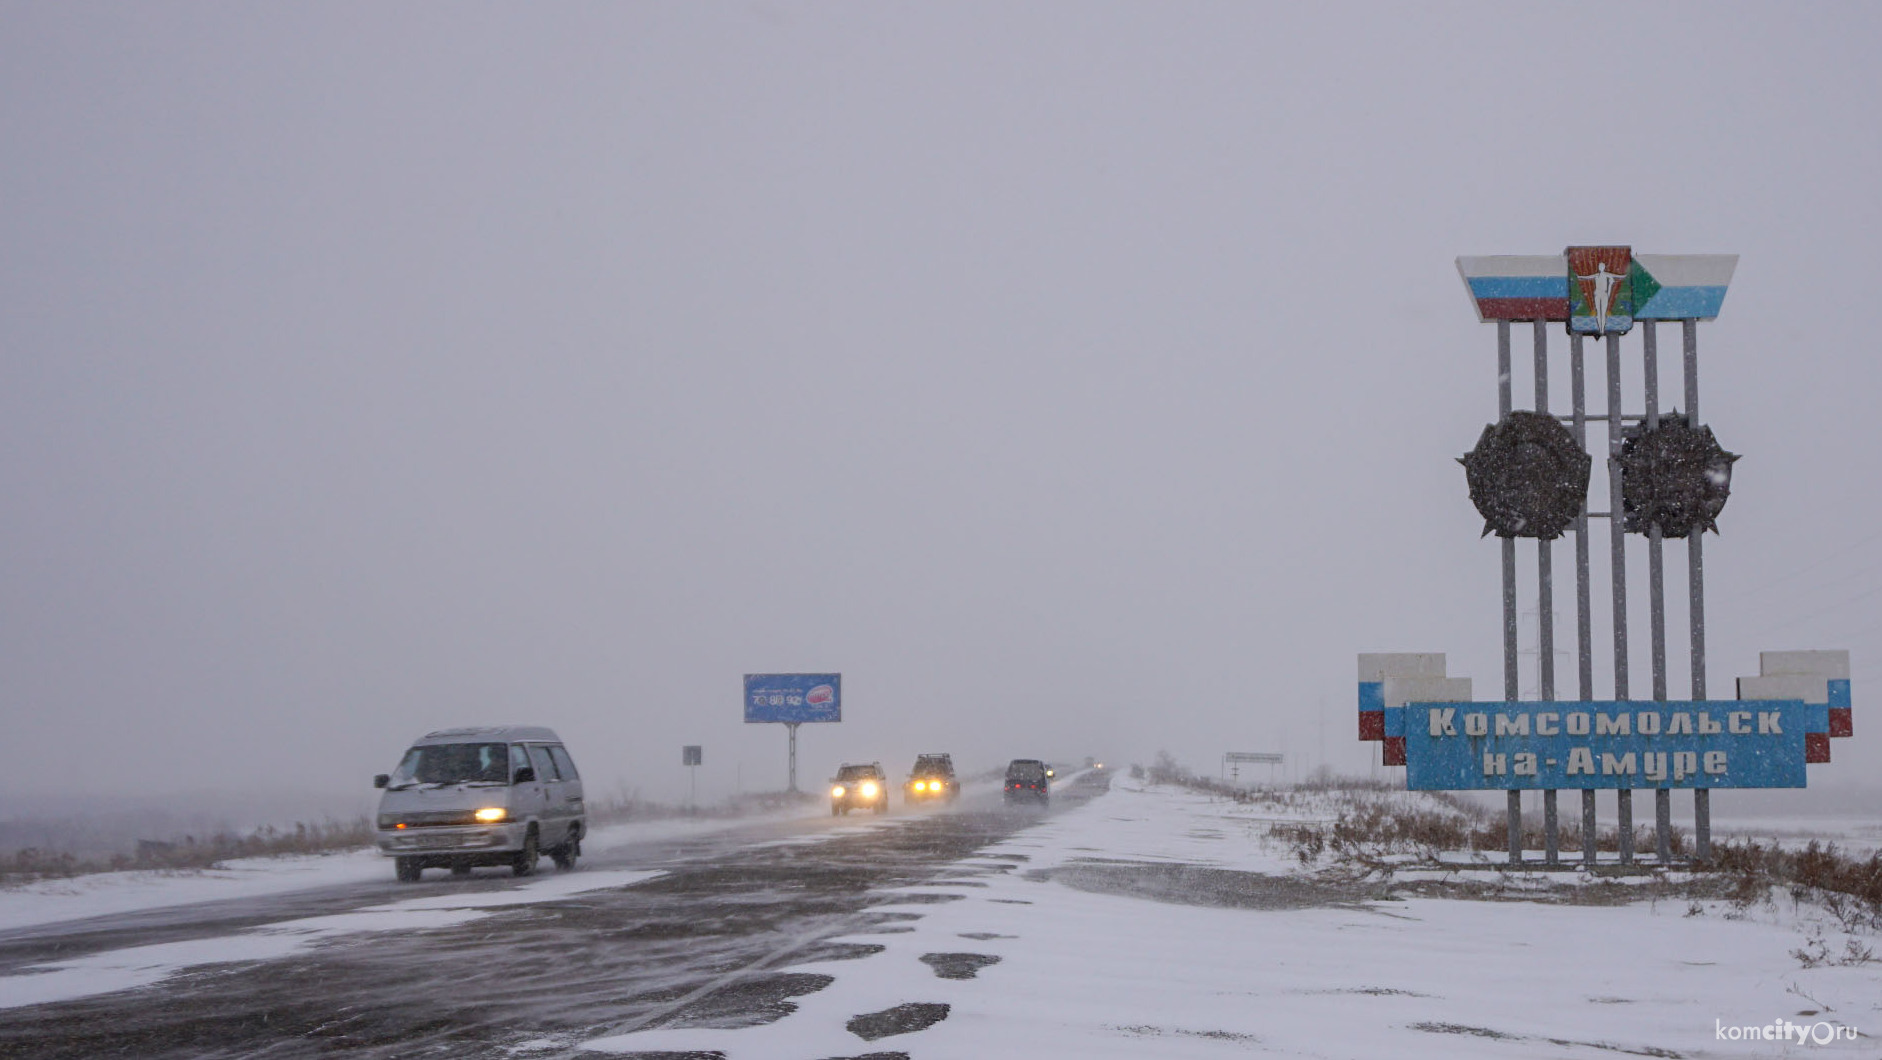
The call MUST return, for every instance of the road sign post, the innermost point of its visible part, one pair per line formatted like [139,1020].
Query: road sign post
[692,756]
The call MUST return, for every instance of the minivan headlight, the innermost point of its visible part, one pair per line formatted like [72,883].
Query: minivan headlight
[493,814]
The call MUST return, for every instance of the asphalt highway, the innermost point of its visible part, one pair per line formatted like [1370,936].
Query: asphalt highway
[709,943]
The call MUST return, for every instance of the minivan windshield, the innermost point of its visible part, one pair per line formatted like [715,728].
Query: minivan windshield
[454,763]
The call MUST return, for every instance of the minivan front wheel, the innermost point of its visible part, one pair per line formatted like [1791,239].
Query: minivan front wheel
[524,863]
[407,869]
[564,856]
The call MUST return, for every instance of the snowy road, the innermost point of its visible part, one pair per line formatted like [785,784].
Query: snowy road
[683,931]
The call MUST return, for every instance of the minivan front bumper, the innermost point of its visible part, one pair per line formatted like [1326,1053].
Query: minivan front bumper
[477,839]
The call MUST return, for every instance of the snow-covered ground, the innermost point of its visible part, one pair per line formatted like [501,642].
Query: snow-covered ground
[127,969]
[108,893]
[1089,974]
[1086,948]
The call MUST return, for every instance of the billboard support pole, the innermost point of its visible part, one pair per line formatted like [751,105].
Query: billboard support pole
[791,727]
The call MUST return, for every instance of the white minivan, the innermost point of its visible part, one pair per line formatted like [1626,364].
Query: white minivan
[492,796]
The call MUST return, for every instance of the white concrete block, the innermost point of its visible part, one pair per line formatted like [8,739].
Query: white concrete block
[1402,690]
[1829,665]
[1808,687]
[1377,666]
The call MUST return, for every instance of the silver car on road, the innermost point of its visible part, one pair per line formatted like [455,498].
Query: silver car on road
[461,798]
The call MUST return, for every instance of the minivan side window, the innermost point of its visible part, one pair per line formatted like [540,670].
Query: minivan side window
[519,759]
[563,763]
[545,769]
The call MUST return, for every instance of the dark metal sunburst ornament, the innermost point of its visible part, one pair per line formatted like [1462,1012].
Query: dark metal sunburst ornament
[1528,477]
[1674,476]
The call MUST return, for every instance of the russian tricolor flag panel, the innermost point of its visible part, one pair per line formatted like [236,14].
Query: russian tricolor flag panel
[1517,287]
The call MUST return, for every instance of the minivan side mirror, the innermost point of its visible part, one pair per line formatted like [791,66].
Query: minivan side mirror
[525,775]
[381,780]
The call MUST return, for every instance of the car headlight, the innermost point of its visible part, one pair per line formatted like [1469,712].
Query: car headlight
[869,789]
[493,814]
[920,786]
[836,792]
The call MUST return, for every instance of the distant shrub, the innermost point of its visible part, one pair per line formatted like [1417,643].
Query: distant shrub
[1851,888]
[190,852]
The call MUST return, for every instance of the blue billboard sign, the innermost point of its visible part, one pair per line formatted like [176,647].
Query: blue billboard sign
[793,698]
[1750,743]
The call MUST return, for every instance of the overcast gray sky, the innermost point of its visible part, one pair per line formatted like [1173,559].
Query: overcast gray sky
[1074,378]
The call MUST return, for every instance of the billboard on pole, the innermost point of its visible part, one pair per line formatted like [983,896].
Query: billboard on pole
[793,697]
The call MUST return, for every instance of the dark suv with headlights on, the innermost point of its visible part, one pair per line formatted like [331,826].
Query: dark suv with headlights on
[859,787]
[931,779]
[1027,780]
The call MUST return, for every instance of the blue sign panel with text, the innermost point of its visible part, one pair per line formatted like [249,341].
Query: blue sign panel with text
[1623,744]
[793,697]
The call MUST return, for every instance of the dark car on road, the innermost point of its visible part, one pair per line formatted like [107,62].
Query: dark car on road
[1027,780]
[932,779]
[859,787]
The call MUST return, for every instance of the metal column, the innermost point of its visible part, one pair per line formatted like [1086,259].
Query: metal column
[1584,625]
[1656,593]
[1696,597]
[1618,544]
[1545,611]
[1511,687]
